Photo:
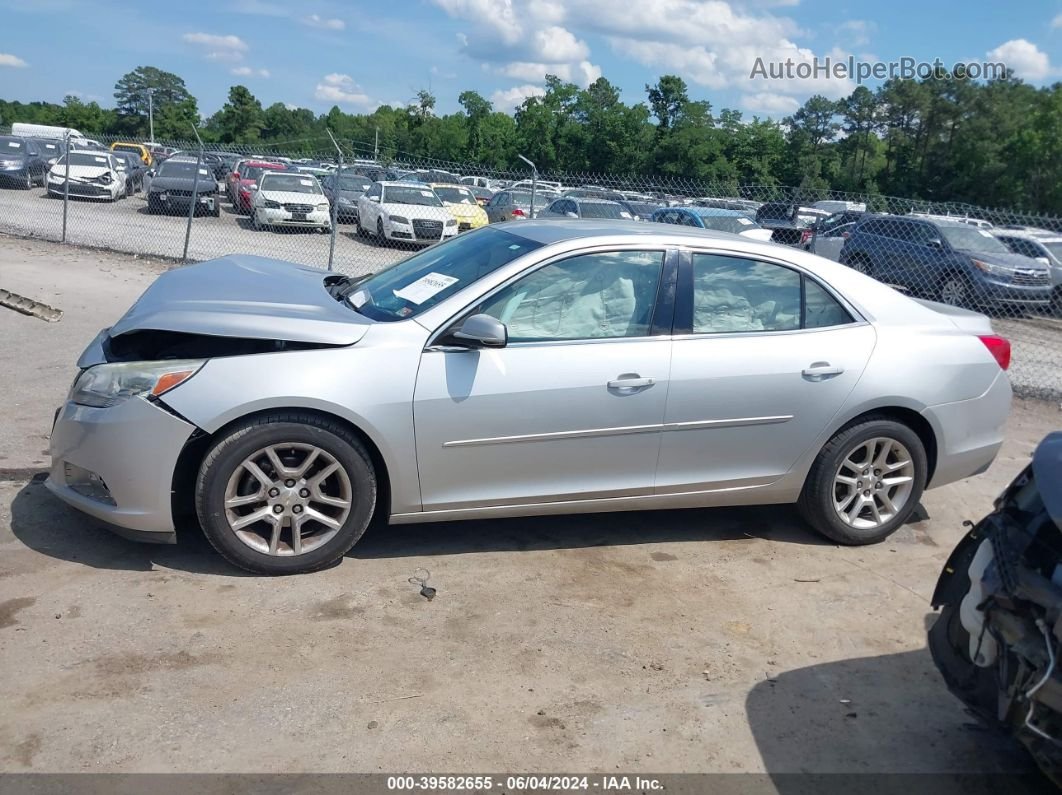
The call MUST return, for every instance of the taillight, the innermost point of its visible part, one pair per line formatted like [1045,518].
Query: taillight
[999,347]
[518,211]
[805,236]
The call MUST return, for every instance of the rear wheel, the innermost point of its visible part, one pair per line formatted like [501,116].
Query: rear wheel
[865,482]
[381,238]
[286,493]
[860,264]
[28,184]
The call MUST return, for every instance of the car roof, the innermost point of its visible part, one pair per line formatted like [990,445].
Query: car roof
[547,231]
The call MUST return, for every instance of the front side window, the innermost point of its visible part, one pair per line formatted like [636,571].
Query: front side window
[592,296]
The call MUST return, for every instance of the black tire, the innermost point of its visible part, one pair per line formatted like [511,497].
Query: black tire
[816,503]
[860,263]
[282,427]
[1056,302]
[28,184]
[217,207]
[152,207]
[381,238]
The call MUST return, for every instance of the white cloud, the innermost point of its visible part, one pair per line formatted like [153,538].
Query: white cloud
[317,21]
[507,100]
[7,59]
[855,32]
[1057,21]
[341,89]
[218,47]
[767,103]
[246,71]
[713,43]
[1024,57]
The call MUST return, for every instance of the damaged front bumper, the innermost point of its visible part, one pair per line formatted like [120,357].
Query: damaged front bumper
[116,464]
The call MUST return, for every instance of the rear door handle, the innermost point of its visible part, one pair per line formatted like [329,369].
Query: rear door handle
[821,370]
[630,382]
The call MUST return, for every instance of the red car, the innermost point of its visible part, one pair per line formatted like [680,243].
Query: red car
[240,183]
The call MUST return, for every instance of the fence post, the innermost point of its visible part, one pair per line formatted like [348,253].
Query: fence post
[534,182]
[66,185]
[195,196]
[335,202]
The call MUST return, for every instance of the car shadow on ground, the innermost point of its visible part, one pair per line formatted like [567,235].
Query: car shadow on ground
[45,524]
[828,728]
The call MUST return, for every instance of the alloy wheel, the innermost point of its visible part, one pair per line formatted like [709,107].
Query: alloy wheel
[873,483]
[288,499]
[953,292]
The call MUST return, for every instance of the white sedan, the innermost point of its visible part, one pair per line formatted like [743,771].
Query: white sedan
[404,211]
[93,175]
[283,198]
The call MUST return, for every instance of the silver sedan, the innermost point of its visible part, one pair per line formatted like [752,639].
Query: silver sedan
[535,367]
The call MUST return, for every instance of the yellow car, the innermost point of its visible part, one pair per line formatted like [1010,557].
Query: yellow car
[462,204]
[139,150]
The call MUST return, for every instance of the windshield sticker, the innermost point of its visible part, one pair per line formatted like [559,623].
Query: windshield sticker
[100,160]
[427,194]
[983,232]
[425,287]
[306,183]
[14,144]
[744,221]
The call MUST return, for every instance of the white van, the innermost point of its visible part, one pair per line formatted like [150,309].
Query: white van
[832,206]
[26,130]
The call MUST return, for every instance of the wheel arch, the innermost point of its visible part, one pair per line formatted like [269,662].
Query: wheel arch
[182,493]
[906,416]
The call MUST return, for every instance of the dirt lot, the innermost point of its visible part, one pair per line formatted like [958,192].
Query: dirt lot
[728,640]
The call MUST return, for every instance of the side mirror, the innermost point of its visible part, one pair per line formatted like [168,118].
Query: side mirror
[935,242]
[483,331]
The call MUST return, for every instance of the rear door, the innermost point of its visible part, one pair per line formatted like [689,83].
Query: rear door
[763,358]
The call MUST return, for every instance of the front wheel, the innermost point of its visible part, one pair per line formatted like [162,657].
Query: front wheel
[954,290]
[286,493]
[865,482]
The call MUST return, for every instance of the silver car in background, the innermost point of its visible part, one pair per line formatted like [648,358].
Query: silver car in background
[533,367]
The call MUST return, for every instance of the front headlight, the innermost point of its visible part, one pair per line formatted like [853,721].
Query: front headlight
[322,206]
[107,385]
[988,267]
[269,204]
[451,222]
[398,219]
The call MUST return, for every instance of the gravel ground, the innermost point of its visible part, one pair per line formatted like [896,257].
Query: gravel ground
[649,642]
[125,226]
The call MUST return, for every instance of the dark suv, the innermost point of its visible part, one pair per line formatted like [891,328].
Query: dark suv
[949,261]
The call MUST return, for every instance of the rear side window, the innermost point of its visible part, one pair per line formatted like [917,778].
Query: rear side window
[734,294]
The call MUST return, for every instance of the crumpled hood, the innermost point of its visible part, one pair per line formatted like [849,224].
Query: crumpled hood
[80,172]
[245,296]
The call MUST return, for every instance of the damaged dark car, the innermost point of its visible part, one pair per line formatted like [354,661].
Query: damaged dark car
[997,640]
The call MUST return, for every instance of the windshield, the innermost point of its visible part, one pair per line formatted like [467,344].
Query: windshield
[734,224]
[1055,247]
[418,283]
[354,184]
[172,168]
[126,148]
[290,183]
[642,209]
[603,210]
[86,159]
[9,145]
[455,195]
[524,199]
[400,194]
[970,238]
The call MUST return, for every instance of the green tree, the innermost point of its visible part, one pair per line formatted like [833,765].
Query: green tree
[240,119]
[667,100]
[169,97]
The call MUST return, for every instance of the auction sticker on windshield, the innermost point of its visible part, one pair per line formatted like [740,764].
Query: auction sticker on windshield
[425,287]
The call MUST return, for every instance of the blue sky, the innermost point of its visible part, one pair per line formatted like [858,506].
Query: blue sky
[359,54]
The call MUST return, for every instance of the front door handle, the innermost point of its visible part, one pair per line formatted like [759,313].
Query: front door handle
[629,382]
[821,370]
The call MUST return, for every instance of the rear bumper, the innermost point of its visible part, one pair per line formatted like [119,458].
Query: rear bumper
[132,449]
[969,432]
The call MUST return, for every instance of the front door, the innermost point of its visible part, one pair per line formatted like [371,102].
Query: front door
[570,409]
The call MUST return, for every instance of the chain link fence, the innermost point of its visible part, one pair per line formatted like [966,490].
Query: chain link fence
[291,202]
